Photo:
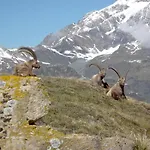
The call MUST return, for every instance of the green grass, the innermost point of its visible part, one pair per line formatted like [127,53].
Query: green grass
[78,107]
[140,142]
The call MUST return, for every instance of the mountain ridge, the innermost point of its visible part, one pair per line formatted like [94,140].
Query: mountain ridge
[110,36]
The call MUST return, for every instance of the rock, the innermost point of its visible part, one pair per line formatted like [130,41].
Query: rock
[6,97]
[6,120]
[1,129]
[8,111]
[11,103]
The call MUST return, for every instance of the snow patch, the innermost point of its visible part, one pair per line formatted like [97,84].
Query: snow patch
[92,17]
[4,54]
[109,51]
[135,50]
[133,8]
[135,43]
[80,36]
[78,47]
[70,39]
[86,29]
[12,49]
[53,50]
[138,61]
[67,52]
[46,63]
[111,31]
[61,39]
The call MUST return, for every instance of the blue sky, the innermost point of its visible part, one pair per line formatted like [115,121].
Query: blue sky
[27,22]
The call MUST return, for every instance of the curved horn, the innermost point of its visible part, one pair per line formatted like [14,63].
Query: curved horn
[96,66]
[29,51]
[115,71]
[127,73]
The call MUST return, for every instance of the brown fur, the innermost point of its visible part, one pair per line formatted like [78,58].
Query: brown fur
[117,90]
[98,79]
[25,69]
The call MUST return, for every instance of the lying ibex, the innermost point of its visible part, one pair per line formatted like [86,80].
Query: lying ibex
[25,69]
[117,90]
[98,79]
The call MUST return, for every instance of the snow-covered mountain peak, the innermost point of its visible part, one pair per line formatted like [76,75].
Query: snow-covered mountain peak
[88,37]
[121,10]
[118,35]
[127,8]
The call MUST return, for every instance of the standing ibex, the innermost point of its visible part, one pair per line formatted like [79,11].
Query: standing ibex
[25,69]
[98,79]
[117,90]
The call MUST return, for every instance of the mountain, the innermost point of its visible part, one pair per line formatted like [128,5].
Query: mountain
[117,35]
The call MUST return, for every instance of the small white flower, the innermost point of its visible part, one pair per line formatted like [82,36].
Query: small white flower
[2,83]
[55,143]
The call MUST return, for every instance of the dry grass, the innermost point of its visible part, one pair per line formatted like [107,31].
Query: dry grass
[78,107]
[141,141]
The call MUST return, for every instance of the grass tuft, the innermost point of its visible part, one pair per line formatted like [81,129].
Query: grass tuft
[140,142]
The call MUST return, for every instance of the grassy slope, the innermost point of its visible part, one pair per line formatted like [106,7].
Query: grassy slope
[78,107]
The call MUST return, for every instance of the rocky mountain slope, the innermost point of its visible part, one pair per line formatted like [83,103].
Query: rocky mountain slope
[51,113]
[117,35]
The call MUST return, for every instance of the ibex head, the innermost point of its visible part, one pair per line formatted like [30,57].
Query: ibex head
[121,79]
[34,61]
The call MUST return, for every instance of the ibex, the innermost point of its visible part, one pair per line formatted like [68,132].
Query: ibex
[98,79]
[25,69]
[117,90]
